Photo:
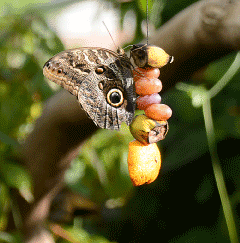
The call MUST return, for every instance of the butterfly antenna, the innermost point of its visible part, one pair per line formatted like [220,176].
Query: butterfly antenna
[147,19]
[127,47]
[110,34]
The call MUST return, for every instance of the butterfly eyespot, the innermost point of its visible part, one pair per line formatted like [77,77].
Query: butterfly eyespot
[115,97]
[100,70]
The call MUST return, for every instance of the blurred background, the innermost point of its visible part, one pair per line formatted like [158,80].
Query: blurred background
[99,203]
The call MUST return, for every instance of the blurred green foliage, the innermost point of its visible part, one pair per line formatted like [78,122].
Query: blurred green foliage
[26,42]
[100,172]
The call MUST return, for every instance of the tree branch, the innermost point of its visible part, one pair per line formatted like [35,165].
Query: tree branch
[198,35]
[48,152]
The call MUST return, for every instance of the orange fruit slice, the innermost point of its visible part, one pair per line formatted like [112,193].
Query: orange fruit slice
[145,86]
[146,73]
[159,112]
[144,162]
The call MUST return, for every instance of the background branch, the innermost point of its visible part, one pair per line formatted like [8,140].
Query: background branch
[48,152]
[198,35]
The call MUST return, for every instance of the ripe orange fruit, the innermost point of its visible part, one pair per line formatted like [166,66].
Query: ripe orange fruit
[144,162]
[143,102]
[146,73]
[159,112]
[146,86]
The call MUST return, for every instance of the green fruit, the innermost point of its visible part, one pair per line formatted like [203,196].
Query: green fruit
[147,130]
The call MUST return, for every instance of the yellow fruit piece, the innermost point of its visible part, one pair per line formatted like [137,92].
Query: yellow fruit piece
[157,57]
[144,162]
[147,130]
[149,56]
[140,128]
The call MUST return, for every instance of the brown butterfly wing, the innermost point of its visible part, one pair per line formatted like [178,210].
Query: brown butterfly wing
[92,74]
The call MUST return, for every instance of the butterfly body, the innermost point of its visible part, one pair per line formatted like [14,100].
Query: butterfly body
[101,80]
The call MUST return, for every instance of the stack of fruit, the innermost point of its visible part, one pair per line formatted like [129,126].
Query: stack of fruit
[144,158]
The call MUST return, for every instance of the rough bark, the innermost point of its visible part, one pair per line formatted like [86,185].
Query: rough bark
[201,33]
[198,35]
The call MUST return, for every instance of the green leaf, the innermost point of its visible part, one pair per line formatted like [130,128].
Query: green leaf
[142,4]
[16,176]
[4,138]
[6,237]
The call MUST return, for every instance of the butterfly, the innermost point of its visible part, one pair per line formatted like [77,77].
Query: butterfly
[102,80]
